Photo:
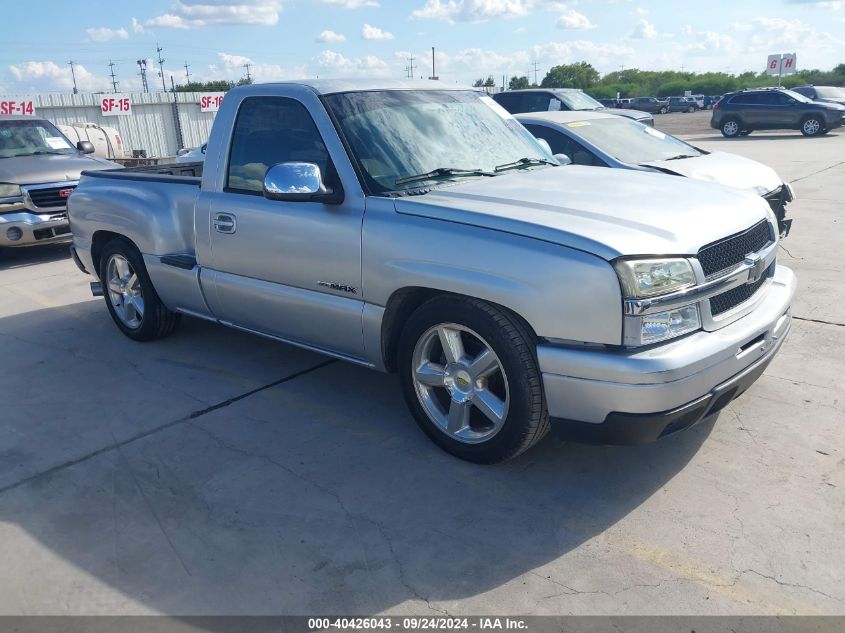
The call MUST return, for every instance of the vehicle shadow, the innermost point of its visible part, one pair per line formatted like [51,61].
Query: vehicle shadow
[758,136]
[30,256]
[314,495]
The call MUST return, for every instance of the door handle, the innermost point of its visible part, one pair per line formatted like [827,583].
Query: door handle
[224,223]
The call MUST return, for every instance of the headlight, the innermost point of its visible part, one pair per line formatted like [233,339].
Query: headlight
[8,190]
[653,328]
[650,277]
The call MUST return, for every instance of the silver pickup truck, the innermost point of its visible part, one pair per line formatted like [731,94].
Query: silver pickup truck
[418,228]
[39,169]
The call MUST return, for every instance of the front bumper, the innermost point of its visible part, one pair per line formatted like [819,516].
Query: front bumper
[27,228]
[630,396]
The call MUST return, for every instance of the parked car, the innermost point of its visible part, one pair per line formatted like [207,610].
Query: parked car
[606,140]
[830,94]
[740,113]
[710,101]
[699,101]
[650,104]
[682,104]
[624,104]
[609,103]
[544,100]
[195,155]
[106,140]
[510,294]
[39,169]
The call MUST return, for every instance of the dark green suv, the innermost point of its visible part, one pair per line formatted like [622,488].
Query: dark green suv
[740,113]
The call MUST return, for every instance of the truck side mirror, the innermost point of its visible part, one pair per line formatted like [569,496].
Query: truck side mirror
[298,182]
[563,159]
[86,147]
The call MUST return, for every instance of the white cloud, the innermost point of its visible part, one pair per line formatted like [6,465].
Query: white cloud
[352,4]
[644,30]
[471,10]
[640,11]
[331,36]
[187,14]
[571,19]
[102,34]
[369,32]
[334,64]
[232,68]
[48,76]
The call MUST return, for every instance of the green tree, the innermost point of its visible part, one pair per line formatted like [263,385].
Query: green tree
[479,83]
[518,83]
[205,86]
[581,75]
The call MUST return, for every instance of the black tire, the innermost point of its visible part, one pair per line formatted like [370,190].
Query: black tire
[527,418]
[812,125]
[745,133]
[730,128]
[157,321]
[664,110]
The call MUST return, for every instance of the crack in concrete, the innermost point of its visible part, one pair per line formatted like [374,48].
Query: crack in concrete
[350,516]
[162,427]
[789,584]
[820,171]
[822,321]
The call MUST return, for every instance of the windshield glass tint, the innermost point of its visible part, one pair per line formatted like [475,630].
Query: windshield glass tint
[797,96]
[396,134]
[828,92]
[579,100]
[25,138]
[629,141]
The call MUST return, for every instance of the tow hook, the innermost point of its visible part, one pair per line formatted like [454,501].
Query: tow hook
[96,289]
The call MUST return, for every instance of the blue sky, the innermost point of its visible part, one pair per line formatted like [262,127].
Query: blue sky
[288,39]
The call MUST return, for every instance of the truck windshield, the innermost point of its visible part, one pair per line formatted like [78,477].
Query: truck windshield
[28,138]
[577,100]
[830,92]
[629,141]
[398,137]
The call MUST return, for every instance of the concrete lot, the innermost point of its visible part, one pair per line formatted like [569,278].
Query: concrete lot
[217,473]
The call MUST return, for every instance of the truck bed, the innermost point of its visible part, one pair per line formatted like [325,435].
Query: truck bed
[185,173]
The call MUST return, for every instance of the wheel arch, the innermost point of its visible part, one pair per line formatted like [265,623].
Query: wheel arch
[98,242]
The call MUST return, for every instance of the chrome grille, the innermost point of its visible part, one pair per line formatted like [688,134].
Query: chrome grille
[729,253]
[50,196]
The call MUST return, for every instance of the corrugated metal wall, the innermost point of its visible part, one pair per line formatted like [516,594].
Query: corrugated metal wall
[151,126]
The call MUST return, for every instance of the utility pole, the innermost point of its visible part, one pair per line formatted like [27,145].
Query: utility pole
[187,73]
[534,66]
[433,74]
[410,68]
[142,64]
[248,76]
[114,80]
[73,74]
[161,67]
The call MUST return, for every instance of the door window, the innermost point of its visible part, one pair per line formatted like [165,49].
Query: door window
[268,131]
[562,144]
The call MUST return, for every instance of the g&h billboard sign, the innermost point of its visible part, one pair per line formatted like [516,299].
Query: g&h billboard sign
[785,64]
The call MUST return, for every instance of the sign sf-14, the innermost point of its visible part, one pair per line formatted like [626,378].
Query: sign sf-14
[20,107]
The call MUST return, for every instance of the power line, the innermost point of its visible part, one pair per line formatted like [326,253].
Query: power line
[410,68]
[534,66]
[73,74]
[248,76]
[161,67]
[187,72]
[114,80]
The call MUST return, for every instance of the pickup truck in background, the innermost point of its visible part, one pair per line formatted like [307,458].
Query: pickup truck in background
[417,227]
[39,169]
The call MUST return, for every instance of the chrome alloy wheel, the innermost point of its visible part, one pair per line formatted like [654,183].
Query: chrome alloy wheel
[812,127]
[125,292]
[731,128]
[461,383]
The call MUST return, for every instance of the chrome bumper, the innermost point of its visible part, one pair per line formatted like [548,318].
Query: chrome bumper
[590,386]
[27,228]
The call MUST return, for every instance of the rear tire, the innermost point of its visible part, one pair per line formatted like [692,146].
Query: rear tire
[730,128]
[745,133]
[131,299]
[479,395]
[664,110]
[812,126]
[690,109]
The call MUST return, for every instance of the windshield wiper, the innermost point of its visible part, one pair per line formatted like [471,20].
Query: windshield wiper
[442,172]
[681,156]
[42,151]
[523,162]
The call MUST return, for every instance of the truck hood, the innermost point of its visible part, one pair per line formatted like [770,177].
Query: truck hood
[31,170]
[637,115]
[726,169]
[606,212]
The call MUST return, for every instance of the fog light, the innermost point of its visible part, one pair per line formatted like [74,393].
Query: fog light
[14,234]
[669,324]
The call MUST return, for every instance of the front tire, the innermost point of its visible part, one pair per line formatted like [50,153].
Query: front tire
[730,128]
[812,126]
[130,296]
[470,377]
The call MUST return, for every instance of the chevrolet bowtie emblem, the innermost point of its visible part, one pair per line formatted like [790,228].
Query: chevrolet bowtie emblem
[756,269]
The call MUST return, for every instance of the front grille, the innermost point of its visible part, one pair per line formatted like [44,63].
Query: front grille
[733,297]
[50,196]
[730,252]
